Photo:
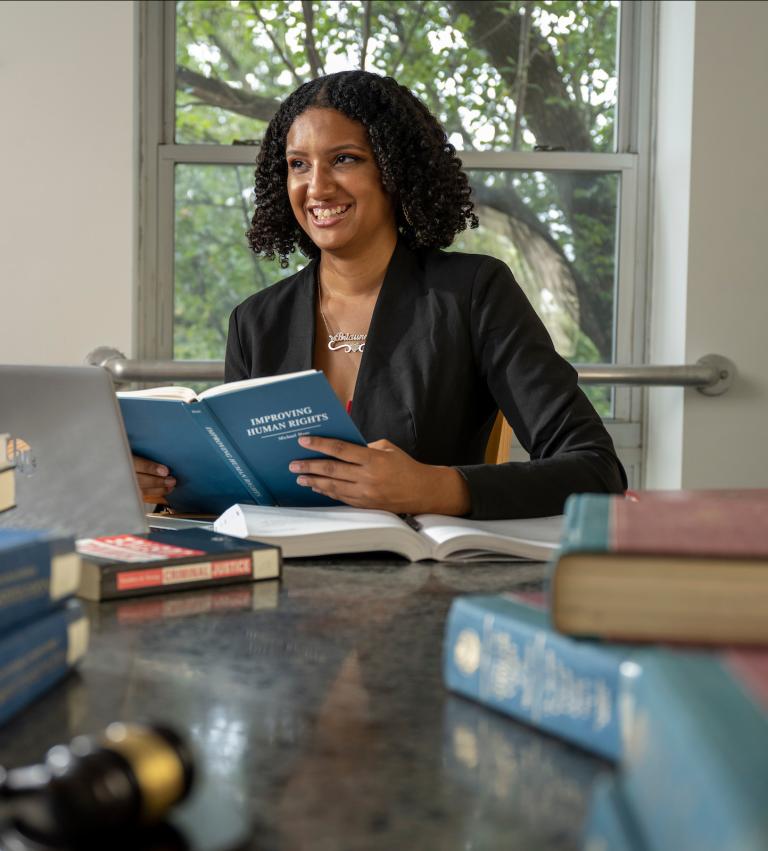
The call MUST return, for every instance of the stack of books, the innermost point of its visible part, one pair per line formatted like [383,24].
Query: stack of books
[43,630]
[650,649]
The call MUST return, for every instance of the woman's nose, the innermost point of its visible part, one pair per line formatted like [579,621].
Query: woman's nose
[321,183]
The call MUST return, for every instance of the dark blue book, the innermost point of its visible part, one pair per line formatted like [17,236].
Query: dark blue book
[695,767]
[501,651]
[610,824]
[233,443]
[37,654]
[38,569]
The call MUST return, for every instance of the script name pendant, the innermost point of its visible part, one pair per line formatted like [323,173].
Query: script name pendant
[348,342]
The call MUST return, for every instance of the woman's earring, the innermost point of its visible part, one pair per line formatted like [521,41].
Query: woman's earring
[406,216]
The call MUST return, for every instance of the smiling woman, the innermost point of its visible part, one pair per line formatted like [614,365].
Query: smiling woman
[423,346]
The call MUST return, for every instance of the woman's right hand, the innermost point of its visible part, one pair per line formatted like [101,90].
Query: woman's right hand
[155,480]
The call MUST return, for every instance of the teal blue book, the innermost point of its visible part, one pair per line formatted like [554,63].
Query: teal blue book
[37,654]
[695,766]
[38,570]
[233,443]
[610,823]
[503,653]
[587,523]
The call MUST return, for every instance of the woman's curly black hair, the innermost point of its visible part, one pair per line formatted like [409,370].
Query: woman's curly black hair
[419,167]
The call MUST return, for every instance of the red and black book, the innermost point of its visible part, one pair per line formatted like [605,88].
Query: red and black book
[171,560]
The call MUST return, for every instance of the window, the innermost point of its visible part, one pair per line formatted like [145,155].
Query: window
[544,100]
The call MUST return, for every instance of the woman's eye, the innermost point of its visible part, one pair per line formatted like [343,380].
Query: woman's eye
[344,159]
[295,164]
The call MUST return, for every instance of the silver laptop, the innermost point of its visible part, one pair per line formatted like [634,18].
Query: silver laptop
[73,465]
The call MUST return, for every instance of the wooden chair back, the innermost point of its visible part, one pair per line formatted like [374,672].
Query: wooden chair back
[499,443]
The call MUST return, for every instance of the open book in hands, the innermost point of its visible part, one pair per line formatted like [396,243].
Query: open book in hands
[332,531]
[233,443]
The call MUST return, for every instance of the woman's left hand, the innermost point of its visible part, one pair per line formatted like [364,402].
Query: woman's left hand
[381,476]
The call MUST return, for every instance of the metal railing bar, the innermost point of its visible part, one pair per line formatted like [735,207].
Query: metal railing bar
[711,374]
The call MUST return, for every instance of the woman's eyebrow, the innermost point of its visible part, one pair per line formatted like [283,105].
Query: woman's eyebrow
[294,152]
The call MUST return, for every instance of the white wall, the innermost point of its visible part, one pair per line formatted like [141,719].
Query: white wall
[710,287]
[67,172]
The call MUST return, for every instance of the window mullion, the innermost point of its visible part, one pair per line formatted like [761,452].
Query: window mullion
[517,160]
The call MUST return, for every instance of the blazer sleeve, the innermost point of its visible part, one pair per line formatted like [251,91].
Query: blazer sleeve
[536,389]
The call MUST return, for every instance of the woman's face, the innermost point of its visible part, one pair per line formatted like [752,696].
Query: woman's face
[334,184]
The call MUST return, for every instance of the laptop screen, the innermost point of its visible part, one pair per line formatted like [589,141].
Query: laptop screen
[73,465]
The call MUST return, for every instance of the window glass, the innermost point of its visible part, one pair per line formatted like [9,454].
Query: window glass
[500,76]
[214,269]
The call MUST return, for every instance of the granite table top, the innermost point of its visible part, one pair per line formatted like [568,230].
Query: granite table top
[317,711]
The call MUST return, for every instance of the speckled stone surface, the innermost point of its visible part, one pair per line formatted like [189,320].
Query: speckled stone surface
[317,709]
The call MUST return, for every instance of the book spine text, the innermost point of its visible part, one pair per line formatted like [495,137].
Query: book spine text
[26,580]
[34,657]
[535,675]
[212,427]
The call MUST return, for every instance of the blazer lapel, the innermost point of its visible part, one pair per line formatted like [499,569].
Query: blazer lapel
[395,307]
[300,333]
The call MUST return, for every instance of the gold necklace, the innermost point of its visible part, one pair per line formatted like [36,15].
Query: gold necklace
[341,341]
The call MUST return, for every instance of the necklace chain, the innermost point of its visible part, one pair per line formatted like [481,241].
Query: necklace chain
[342,341]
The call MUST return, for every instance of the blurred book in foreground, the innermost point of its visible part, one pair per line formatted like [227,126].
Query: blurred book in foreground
[36,654]
[501,651]
[695,767]
[689,567]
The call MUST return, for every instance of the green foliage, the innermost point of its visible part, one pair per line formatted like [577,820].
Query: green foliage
[236,61]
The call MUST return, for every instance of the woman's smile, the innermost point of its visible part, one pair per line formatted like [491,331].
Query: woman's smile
[325,217]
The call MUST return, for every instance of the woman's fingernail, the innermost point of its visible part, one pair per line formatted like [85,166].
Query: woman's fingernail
[161,470]
[294,467]
[305,441]
[302,480]
[169,483]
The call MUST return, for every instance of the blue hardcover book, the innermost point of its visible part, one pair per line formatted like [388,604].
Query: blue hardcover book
[502,652]
[696,751]
[610,824]
[233,443]
[37,654]
[38,569]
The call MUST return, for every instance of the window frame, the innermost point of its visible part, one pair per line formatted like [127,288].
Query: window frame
[159,154]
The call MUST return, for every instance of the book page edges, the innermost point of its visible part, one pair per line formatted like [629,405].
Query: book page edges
[234,386]
[397,537]
[90,581]
[266,564]
[168,394]
[65,575]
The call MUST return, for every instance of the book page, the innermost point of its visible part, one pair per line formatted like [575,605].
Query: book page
[234,386]
[174,394]
[274,520]
[323,531]
[537,538]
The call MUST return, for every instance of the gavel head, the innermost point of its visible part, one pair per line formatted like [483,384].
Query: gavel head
[129,776]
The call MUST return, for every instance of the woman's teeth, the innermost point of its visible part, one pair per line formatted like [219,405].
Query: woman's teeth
[327,212]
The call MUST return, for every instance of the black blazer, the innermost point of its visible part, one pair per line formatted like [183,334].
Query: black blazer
[452,339]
